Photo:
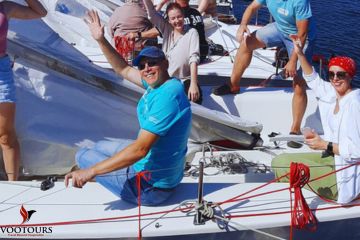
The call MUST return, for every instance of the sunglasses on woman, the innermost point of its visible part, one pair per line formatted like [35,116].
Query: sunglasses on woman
[150,63]
[340,75]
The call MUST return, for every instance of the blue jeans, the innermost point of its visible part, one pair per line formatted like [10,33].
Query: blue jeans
[272,37]
[121,182]
[7,85]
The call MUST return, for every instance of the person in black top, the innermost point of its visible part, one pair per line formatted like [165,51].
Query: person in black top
[193,18]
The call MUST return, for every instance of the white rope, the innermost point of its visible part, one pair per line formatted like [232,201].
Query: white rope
[222,36]
[249,228]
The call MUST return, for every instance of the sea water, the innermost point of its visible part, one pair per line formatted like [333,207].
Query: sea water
[338,27]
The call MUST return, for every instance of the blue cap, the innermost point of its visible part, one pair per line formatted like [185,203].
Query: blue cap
[150,52]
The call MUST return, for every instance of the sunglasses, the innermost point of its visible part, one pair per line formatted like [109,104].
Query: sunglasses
[340,75]
[150,63]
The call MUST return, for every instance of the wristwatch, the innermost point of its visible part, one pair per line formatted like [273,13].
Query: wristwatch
[139,35]
[330,149]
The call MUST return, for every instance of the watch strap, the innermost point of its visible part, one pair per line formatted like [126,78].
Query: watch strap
[330,149]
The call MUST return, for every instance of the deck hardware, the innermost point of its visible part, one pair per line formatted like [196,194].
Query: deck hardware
[204,210]
[48,183]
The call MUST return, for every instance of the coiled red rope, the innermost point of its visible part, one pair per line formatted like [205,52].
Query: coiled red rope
[146,175]
[124,46]
[301,215]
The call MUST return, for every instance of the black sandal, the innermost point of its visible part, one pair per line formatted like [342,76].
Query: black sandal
[224,90]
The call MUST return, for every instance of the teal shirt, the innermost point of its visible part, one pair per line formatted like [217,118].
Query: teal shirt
[166,112]
[287,12]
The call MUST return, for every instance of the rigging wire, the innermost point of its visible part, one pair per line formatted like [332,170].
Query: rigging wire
[248,228]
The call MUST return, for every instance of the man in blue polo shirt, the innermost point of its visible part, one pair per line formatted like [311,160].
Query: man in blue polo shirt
[164,115]
[291,17]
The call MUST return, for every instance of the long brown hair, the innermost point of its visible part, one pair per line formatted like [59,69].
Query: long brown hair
[172,6]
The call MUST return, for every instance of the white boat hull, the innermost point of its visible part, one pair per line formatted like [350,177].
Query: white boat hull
[95,213]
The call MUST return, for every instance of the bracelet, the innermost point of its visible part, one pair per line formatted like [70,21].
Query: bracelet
[139,35]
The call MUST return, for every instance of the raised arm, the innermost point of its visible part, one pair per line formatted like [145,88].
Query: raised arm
[33,10]
[154,16]
[298,45]
[203,5]
[322,89]
[249,12]
[150,8]
[161,4]
[302,26]
[119,65]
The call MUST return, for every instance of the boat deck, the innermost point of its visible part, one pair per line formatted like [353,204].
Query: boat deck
[81,213]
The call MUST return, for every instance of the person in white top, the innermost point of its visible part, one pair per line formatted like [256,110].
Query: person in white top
[180,45]
[339,105]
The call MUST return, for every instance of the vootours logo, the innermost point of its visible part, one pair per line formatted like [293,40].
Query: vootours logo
[26,231]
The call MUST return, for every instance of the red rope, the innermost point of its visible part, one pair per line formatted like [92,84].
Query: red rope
[98,220]
[124,46]
[143,174]
[335,171]
[328,174]
[254,196]
[287,212]
[146,175]
[301,215]
[237,198]
[241,196]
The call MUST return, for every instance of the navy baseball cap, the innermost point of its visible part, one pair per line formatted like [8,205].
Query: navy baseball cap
[150,52]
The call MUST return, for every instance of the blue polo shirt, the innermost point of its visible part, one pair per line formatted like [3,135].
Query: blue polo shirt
[166,112]
[287,12]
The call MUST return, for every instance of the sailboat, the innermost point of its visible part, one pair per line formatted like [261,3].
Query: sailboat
[66,101]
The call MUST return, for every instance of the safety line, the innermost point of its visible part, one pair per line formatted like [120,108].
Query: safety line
[249,228]
[97,220]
